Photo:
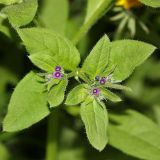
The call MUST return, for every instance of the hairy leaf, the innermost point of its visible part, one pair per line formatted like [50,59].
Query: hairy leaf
[76,95]
[8,2]
[98,59]
[135,135]
[110,95]
[56,94]
[95,119]
[126,55]
[28,104]
[43,61]
[22,13]
[52,83]
[117,86]
[38,40]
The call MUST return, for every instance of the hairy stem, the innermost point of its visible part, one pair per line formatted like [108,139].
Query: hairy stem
[52,139]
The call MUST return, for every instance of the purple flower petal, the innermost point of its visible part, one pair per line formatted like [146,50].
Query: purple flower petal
[102,81]
[96,91]
[57,75]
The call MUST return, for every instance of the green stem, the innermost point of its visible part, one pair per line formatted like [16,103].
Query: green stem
[52,139]
[72,74]
[88,24]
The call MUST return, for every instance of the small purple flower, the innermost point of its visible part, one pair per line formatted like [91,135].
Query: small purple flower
[97,78]
[58,68]
[102,80]
[57,75]
[96,91]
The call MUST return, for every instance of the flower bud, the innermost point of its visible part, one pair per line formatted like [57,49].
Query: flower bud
[97,78]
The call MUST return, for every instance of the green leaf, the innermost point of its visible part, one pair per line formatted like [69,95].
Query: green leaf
[126,55]
[8,2]
[117,86]
[110,95]
[44,61]
[53,15]
[52,83]
[38,40]
[95,119]
[89,99]
[56,94]
[151,3]
[136,135]
[28,104]
[22,13]
[76,95]
[98,59]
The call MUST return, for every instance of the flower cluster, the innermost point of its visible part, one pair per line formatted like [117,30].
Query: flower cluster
[102,80]
[95,89]
[57,74]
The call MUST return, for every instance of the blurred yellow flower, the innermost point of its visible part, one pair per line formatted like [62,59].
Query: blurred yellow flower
[127,4]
